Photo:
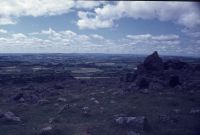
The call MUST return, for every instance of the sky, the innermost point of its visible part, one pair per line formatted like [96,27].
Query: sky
[113,27]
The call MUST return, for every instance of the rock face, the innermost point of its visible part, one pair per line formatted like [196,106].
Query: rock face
[153,62]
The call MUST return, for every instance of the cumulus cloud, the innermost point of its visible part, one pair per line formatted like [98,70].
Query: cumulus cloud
[12,9]
[104,17]
[67,41]
[155,40]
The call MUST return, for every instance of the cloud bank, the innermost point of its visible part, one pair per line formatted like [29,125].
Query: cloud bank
[186,14]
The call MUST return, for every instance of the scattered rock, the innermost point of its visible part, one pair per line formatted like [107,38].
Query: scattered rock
[195,111]
[144,91]
[60,99]
[49,130]
[9,117]
[132,133]
[139,122]
[164,118]
[94,100]
[43,102]
[85,111]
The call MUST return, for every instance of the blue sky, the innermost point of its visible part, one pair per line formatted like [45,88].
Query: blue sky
[125,27]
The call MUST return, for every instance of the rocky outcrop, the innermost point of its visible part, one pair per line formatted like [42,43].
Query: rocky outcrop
[155,74]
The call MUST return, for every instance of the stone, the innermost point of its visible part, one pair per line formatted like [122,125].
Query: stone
[49,130]
[43,102]
[85,111]
[139,122]
[195,111]
[60,99]
[10,117]
[144,91]
[132,133]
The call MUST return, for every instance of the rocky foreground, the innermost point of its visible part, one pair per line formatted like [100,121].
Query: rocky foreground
[158,98]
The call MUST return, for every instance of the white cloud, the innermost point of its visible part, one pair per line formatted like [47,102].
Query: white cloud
[148,39]
[89,4]
[6,20]
[50,40]
[105,16]
[11,9]
[87,20]
[154,40]
[3,31]
[96,36]
[19,36]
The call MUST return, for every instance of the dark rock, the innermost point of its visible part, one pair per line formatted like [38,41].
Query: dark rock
[174,81]
[152,63]
[175,64]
